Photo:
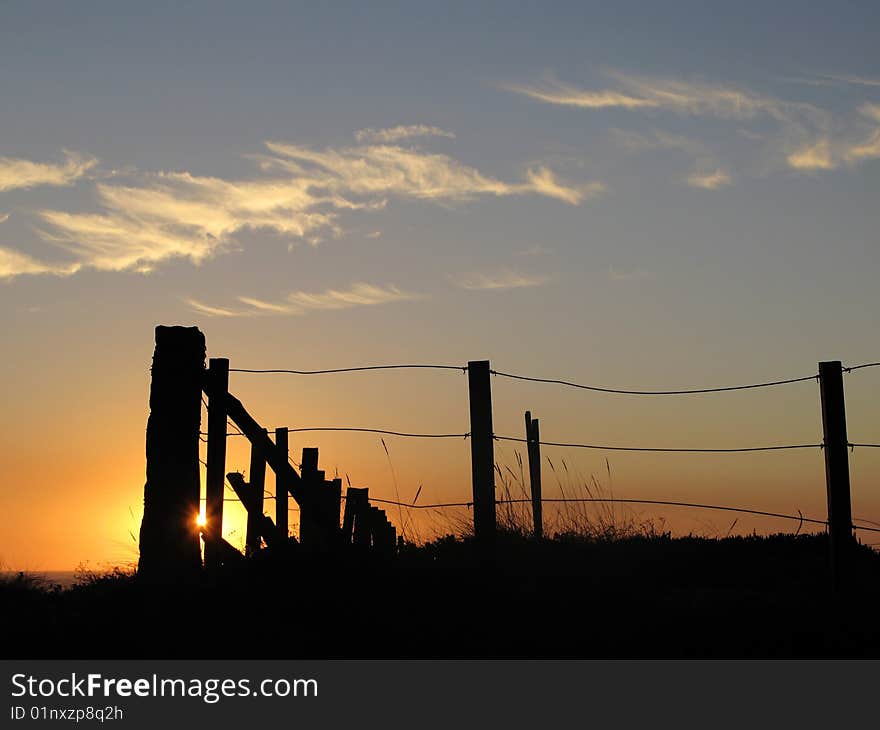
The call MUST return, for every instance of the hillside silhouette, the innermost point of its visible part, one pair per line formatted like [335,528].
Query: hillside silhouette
[568,596]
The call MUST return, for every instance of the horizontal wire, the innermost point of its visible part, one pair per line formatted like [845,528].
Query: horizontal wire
[652,392]
[462,368]
[596,447]
[744,510]
[662,450]
[368,430]
[859,367]
[656,502]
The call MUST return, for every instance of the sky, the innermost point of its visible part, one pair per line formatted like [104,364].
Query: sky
[627,195]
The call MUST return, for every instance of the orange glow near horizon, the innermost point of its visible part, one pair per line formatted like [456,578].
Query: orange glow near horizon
[95,517]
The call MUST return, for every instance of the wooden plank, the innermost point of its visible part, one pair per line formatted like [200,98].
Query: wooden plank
[225,552]
[281,503]
[361,512]
[354,498]
[255,514]
[308,531]
[277,462]
[334,500]
[836,471]
[251,499]
[218,377]
[482,450]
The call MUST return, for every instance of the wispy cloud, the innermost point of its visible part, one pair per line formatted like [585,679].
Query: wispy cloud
[710,180]
[851,79]
[18,173]
[212,311]
[829,152]
[301,194]
[544,182]
[359,294]
[503,279]
[553,91]
[644,92]
[813,156]
[807,138]
[400,132]
[15,263]
[706,173]
[265,307]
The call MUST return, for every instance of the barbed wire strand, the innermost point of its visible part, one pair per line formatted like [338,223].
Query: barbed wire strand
[462,368]
[598,447]
[619,391]
[860,367]
[367,430]
[551,500]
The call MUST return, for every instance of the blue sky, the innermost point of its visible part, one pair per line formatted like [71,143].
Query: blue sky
[635,194]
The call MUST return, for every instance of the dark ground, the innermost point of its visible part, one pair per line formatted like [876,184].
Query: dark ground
[634,597]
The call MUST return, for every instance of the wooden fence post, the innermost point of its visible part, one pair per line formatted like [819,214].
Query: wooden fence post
[218,375]
[361,513]
[334,506]
[257,475]
[533,443]
[169,536]
[482,450]
[836,443]
[280,485]
[309,473]
[354,498]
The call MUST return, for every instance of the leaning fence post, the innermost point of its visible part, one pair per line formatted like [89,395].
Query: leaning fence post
[533,444]
[836,470]
[280,486]
[482,450]
[257,475]
[218,377]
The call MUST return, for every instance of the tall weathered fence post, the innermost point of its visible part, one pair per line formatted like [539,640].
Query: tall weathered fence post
[281,503]
[533,444]
[257,476]
[836,470]
[482,450]
[169,536]
[215,471]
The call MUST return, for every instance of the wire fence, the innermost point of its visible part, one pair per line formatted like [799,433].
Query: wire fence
[579,386]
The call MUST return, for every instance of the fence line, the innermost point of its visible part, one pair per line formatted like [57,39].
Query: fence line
[552,500]
[479,373]
[462,368]
[860,367]
[560,500]
[553,381]
[662,450]
[561,444]
[367,430]
[690,391]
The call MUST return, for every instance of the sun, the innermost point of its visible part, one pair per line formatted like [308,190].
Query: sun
[201,520]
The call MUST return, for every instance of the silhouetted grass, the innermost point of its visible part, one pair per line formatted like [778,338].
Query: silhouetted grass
[574,595]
